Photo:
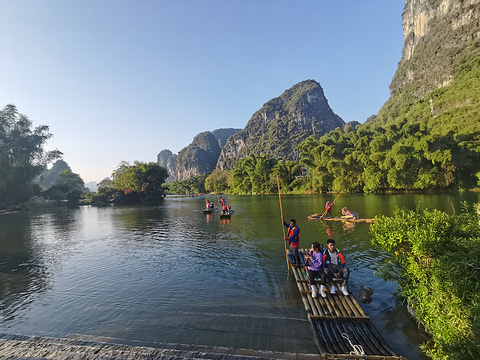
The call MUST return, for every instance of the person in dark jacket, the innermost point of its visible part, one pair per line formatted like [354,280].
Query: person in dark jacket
[293,237]
[334,264]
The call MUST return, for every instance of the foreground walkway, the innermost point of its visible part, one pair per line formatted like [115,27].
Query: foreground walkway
[18,347]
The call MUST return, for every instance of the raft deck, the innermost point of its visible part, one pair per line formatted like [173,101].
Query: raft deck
[319,217]
[338,314]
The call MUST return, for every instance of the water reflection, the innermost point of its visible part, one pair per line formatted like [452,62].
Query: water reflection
[329,231]
[30,246]
[348,226]
[170,273]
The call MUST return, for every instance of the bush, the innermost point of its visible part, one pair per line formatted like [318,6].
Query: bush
[435,262]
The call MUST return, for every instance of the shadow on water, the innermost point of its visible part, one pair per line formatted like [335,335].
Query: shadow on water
[169,274]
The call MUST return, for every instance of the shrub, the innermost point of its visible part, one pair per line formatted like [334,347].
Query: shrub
[435,262]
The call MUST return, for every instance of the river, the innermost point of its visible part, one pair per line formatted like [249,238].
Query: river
[171,276]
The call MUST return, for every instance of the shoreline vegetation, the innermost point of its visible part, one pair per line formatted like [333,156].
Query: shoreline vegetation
[434,261]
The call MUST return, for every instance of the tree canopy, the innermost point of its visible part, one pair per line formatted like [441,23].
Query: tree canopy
[22,156]
[69,186]
[138,182]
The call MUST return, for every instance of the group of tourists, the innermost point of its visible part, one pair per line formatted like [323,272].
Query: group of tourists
[209,205]
[322,264]
[226,208]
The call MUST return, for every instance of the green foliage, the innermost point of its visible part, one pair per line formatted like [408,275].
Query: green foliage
[218,182]
[417,142]
[105,188]
[50,177]
[95,199]
[22,156]
[402,156]
[69,186]
[194,185]
[435,262]
[252,175]
[258,175]
[137,182]
[450,108]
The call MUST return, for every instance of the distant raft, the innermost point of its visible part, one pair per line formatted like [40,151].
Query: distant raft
[227,214]
[343,218]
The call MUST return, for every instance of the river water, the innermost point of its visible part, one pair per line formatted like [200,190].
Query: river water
[171,276]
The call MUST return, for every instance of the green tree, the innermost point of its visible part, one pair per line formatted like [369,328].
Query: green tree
[218,181]
[139,182]
[287,172]
[69,186]
[195,185]
[105,187]
[254,174]
[22,155]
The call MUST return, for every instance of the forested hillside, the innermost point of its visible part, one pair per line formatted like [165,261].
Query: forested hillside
[427,135]
[281,125]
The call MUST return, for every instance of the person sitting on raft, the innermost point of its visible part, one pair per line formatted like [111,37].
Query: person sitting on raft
[347,214]
[314,260]
[334,264]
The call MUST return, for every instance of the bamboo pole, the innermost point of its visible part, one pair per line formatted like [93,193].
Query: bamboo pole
[283,225]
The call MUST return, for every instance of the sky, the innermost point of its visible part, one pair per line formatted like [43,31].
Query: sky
[122,80]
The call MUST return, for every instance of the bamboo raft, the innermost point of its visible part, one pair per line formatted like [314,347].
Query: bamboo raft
[335,315]
[319,217]
[227,215]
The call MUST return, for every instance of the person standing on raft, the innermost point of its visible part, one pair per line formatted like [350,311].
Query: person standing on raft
[328,208]
[293,237]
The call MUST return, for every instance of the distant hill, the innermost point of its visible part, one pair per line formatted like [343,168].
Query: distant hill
[199,157]
[222,135]
[281,124]
[92,186]
[50,177]
[168,160]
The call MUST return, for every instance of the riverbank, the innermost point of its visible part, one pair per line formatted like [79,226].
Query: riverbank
[16,347]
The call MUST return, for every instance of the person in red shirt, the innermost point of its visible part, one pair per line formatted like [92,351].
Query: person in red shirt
[328,209]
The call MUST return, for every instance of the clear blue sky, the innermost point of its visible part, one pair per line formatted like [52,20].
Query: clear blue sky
[122,80]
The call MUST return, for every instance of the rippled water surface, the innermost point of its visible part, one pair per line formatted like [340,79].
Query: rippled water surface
[168,274]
